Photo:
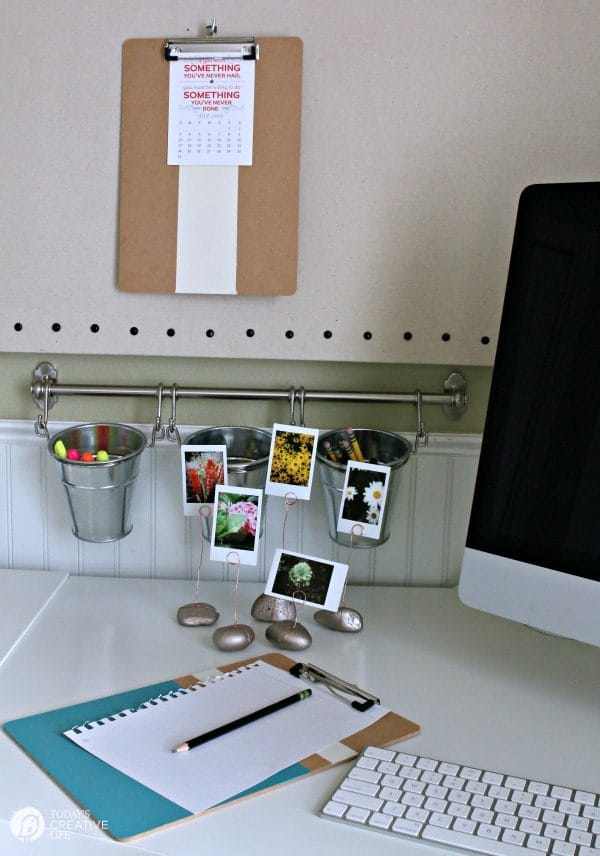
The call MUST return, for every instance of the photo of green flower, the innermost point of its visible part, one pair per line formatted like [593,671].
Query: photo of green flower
[303,578]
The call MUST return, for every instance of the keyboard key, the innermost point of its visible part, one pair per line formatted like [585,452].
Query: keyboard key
[584,797]
[492,778]
[394,809]
[387,767]
[563,848]
[440,820]
[364,775]
[367,763]
[407,827]
[334,809]
[577,837]
[358,800]
[487,830]
[471,773]
[448,769]
[404,759]
[358,787]
[538,788]
[380,754]
[513,836]
[476,843]
[581,823]
[381,821]
[561,793]
[426,764]
[357,815]
[515,783]
[539,843]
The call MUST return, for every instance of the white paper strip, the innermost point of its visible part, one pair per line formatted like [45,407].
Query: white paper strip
[207,230]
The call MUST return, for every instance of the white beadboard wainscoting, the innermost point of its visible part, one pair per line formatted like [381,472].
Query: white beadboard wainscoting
[428,526]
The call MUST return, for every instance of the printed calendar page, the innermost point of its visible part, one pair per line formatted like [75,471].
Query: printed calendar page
[211,111]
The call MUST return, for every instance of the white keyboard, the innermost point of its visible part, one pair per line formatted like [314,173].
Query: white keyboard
[465,808]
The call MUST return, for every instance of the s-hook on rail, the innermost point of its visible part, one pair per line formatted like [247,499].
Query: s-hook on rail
[45,390]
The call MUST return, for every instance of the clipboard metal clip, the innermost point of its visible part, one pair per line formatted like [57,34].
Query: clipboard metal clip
[197,47]
[350,693]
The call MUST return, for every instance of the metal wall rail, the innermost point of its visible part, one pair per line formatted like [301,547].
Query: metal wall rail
[46,390]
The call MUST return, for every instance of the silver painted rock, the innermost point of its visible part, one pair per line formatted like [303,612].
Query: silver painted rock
[346,620]
[197,615]
[288,635]
[234,637]
[270,608]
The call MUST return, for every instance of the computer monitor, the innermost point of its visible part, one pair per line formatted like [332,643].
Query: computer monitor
[533,544]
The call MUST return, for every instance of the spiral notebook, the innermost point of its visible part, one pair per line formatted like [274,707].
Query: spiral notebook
[114,755]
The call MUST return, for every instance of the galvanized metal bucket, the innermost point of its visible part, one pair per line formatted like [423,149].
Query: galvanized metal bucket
[99,492]
[247,455]
[381,447]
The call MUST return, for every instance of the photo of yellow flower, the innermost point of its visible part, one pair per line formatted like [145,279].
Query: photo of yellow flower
[292,458]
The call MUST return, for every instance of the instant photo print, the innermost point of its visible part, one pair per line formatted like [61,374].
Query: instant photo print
[307,579]
[236,524]
[292,461]
[203,468]
[363,499]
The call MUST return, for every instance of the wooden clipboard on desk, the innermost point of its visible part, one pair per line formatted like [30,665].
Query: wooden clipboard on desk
[123,806]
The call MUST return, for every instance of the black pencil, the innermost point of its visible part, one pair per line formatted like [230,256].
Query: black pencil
[243,720]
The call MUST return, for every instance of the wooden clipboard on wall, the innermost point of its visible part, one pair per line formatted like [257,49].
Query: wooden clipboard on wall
[268,191]
[125,807]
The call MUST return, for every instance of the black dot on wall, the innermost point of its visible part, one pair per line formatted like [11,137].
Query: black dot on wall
[18,326]
[485,340]
[250,332]
[94,328]
[170,332]
[327,334]
[134,331]
[408,335]
[210,333]
[367,335]
[56,326]
[445,337]
[289,334]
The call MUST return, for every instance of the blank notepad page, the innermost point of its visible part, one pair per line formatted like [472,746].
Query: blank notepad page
[139,743]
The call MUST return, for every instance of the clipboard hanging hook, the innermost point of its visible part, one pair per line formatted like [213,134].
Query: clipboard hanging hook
[212,27]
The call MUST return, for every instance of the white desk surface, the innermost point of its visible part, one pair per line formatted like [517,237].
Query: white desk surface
[23,596]
[486,692]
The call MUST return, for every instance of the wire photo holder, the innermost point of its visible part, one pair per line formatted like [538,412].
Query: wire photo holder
[236,636]
[197,614]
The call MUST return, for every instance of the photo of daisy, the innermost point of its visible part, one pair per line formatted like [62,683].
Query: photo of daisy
[363,499]
[291,461]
